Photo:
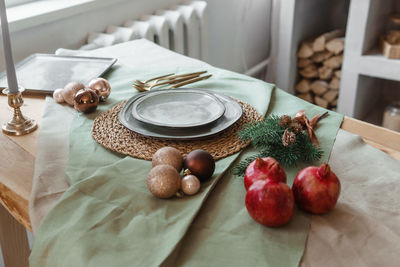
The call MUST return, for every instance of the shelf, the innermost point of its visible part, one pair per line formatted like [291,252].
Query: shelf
[374,64]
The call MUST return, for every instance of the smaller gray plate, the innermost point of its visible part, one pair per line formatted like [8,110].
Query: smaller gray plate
[233,112]
[178,108]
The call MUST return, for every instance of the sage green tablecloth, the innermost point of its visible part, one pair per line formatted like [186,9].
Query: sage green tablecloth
[108,218]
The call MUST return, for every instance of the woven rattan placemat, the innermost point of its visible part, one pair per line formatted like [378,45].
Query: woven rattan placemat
[110,133]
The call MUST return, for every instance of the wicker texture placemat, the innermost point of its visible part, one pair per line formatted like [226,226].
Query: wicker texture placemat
[110,133]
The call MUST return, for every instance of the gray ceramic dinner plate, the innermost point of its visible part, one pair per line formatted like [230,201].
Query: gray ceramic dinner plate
[178,108]
[233,112]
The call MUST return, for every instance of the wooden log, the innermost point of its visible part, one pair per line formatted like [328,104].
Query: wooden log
[309,72]
[325,73]
[318,57]
[334,103]
[334,84]
[330,96]
[334,62]
[307,97]
[319,43]
[319,87]
[337,73]
[335,46]
[305,50]
[304,86]
[304,62]
[321,102]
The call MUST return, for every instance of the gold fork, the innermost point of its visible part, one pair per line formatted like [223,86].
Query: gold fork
[165,79]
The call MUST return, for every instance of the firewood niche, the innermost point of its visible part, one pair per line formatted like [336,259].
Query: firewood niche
[319,67]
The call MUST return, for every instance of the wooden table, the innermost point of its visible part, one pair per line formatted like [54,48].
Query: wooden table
[17,164]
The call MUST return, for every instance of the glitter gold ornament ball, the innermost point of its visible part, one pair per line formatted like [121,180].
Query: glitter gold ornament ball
[163,181]
[168,155]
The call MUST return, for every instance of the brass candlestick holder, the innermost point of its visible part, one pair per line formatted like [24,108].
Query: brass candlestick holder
[19,124]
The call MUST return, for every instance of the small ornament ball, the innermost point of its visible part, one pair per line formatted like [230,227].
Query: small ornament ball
[70,90]
[190,185]
[200,163]
[168,155]
[163,181]
[86,100]
[102,88]
[57,95]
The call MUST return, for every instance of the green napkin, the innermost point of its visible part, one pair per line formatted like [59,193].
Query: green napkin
[108,218]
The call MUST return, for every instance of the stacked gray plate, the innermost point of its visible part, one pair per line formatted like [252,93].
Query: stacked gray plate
[180,114]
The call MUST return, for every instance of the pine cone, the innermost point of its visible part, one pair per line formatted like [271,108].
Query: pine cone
[285,121]
[296,127]
[288,138]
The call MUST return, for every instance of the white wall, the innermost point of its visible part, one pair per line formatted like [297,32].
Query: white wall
[238,30]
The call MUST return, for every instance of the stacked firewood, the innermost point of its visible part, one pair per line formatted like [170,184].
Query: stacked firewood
[319,67]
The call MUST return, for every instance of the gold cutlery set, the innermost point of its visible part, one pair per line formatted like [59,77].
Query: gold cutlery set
[172,80]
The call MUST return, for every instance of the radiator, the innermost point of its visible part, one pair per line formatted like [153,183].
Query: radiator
[181,28]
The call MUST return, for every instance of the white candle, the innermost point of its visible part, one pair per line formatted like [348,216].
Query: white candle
[10,69]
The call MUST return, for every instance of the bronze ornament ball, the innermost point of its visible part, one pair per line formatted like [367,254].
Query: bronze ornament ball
[168,155]
[200,163]
[86,100]
[163,181]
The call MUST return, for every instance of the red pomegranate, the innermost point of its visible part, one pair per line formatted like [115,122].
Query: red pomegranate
[316,189]
[270,203]
[262,169]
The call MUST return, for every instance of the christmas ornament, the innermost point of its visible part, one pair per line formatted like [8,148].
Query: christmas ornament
[199,163]
[190,185]
[163,181]
[70,90]
[57,95]
[263,169]
[270,202]
[102,88]
[316,189]
[282,138]
[86,100]
[168,155]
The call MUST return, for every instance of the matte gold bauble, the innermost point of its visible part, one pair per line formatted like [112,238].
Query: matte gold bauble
[190,185]
[57,95]
[168,155]
[200,163]
[163,181]
[86,100]
[102,88]
[70,90]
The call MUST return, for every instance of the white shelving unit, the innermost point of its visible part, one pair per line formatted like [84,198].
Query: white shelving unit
[367,77]
[300,20]
[364,67]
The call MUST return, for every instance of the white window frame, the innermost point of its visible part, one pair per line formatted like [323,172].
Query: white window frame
[11,3]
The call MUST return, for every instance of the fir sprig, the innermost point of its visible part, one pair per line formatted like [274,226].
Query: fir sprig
[266,137]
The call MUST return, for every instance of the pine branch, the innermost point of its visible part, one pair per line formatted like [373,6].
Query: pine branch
[266,137]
